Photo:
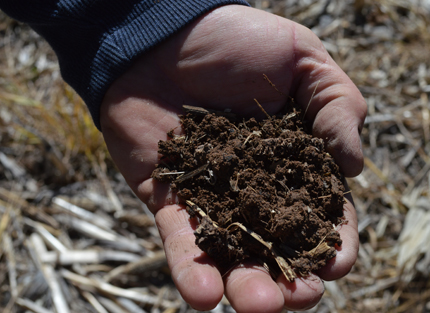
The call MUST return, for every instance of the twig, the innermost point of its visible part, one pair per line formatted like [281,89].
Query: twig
[11,264]
[93,231]
[52,241]
[82,213]
[380,285]
[196,210]
[94,302]
[160,296]
[87,256]
[195,110]
[32,306]
[273,85]
[156,260]
[113,307]
[4,223]
[321,247]
[254,133]
[48,271]
[310,100]
[191,174]
[171,173]
[327,196]
[100,169]
[134,308]
[262,109]
[203,111]
[82,281]
[35,212]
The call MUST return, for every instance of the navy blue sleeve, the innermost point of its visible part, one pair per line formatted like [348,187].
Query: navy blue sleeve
[97,40]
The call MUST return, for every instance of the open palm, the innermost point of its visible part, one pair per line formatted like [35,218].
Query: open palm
[218,62]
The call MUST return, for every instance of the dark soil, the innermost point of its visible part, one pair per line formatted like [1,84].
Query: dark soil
[266,191]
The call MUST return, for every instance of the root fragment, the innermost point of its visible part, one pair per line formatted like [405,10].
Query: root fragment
[192,173]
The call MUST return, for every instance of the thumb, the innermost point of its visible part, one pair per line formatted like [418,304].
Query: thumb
[331,100]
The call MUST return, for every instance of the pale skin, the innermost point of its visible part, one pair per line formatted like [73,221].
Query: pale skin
[218,61]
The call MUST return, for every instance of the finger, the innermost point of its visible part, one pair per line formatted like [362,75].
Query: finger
[193,272]
[347,253]
[249,288]
[302,294]
[156,194]
[340,126]
[331,100]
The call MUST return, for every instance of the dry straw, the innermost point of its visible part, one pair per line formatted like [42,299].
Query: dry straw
[74,238]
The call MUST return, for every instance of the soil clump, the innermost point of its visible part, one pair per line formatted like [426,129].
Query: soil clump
[262,190]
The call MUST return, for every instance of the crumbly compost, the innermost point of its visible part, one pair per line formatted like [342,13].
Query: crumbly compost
[266,191]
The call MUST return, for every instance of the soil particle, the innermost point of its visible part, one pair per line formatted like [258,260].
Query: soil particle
[263,190]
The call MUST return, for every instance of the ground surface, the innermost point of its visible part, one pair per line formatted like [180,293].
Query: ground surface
[49,151]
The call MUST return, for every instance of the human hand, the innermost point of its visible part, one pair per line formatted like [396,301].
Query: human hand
[218,62]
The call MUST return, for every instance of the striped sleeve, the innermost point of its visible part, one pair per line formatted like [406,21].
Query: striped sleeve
[97,40]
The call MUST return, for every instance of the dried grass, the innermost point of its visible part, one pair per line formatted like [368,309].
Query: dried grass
[74,238]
